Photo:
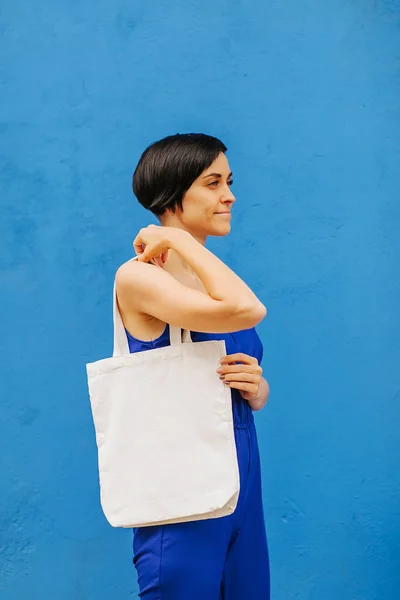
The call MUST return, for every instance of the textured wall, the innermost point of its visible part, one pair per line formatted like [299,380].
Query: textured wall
[306,95]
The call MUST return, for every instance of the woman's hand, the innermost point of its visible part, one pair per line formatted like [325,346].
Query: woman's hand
[242,372]
[153,242]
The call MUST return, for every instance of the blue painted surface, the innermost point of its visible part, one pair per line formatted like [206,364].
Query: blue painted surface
[306,95]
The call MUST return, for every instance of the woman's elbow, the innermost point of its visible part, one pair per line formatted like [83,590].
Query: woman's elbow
[253,314]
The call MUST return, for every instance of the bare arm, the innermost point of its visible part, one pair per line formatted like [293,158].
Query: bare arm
[228,305]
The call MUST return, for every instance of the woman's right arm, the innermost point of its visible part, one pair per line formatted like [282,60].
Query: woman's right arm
[229,304]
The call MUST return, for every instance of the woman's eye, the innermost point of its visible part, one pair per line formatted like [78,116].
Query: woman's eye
[216,183]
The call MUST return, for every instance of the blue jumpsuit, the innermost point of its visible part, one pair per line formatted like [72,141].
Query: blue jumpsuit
[215,559]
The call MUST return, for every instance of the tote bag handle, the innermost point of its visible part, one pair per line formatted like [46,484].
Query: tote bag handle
[121,346]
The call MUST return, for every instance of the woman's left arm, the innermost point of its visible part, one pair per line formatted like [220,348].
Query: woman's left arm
[242,372]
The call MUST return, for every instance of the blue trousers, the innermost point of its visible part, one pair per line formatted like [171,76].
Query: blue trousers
[216,559]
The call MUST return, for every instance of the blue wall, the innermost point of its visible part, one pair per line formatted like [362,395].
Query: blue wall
[307,96]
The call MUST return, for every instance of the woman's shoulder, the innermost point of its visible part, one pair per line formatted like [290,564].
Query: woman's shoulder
[131,267]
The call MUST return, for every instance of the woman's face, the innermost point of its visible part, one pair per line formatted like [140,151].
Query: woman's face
[208,202]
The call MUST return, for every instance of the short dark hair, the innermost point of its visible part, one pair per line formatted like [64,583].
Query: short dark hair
[167,169]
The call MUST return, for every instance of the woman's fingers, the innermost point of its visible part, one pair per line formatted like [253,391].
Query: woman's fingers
[241,372]
[239,357]
[249,388]
[240,368]
[151,242]
[138,244]
[233,374]
[242,377]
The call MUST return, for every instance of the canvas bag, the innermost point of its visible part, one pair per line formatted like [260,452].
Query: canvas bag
[164,432]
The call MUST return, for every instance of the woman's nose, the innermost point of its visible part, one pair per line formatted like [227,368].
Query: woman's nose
[227,195]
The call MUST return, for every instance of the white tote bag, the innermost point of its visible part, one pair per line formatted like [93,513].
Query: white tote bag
[164,432]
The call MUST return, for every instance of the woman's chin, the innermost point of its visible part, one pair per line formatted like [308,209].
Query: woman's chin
[221,231]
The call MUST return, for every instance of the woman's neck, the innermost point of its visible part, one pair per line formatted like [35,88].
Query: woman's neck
[173,220]
[175,263]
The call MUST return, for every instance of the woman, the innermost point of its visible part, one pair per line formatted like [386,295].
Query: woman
[185,180]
